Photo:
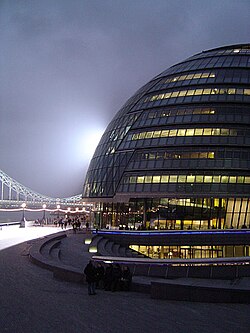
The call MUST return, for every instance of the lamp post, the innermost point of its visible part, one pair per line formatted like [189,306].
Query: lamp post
[22,223]
[44,207]
[58,207]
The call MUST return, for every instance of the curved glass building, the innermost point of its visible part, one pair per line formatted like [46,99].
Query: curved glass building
[177,154]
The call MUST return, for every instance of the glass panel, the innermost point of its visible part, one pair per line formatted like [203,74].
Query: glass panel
[182,179]
[164,179]
[148,179]
[190,132]
[140,179]
[156,179]
[208,179]
[190,179]
[173,179]
[232,179]
[199,179]
[198,131]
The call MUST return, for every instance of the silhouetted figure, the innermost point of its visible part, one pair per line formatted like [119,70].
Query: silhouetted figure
[90,272]
[108,276]
[126,279]
[116,276]
[100,276]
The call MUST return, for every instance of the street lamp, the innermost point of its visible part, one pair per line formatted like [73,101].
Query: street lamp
[22,223]
[58,207]
[44,207]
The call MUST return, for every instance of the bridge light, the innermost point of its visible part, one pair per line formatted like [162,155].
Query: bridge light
[44,217]
[58,207]
[22,223]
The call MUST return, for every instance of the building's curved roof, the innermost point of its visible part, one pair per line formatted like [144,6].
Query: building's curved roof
[186,132]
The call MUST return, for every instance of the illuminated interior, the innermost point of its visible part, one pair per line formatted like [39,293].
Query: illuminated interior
[176,155]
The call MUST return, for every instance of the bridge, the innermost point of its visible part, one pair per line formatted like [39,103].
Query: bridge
[15,196]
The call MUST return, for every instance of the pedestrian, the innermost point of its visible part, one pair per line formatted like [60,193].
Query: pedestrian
[100,276]
[108,276]
[126,279]
[116,276]
[90,272]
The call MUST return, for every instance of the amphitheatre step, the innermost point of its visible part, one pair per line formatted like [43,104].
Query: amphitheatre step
[48,247]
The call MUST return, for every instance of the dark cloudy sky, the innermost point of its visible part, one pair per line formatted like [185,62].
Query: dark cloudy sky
[67,66]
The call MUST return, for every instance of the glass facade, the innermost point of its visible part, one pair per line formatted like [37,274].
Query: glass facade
[177,154]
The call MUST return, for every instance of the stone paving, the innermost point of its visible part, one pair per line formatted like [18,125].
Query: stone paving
[33,302]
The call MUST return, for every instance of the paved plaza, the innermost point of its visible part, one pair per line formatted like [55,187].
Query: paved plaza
[33,302]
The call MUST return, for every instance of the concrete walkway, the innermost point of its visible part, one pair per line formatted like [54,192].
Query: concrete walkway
[33,302]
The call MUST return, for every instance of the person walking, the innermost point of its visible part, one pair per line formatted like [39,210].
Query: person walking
[90,272]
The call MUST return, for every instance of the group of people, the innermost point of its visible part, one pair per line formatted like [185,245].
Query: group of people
[74,222]
[113,277]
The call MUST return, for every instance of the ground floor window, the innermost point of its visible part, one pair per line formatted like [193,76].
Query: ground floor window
[192,252]
[175,213]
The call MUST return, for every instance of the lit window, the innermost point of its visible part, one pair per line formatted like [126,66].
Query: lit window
[210,155]
[190,132]
[182,179]
[182,93]
[199,179]
[206,91]
[181,132]
[223,131]
[190,179]
[148,179]
[167,95]
[175,94]
[198,131]
[198,76]
[207,179]
[232,179]
[216,131]
[190,92]
[164,133]
[240,179]
[198,92]
[246,91]
[142,135]
[157,134]
[135,136]
[172,132]
[224,179]
[247,180]
[207,131]
[231,91]
[156,179]
[151,156]
[164,179]
[140,179]
[149,135]
[173,179]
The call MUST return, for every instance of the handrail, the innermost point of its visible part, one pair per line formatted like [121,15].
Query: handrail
[150,261]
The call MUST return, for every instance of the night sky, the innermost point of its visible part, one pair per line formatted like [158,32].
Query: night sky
[67,67]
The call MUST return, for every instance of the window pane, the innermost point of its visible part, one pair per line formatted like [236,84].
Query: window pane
[164,179]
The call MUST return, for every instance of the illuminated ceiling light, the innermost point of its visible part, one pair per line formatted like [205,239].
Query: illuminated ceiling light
[236,51]
[92,249]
